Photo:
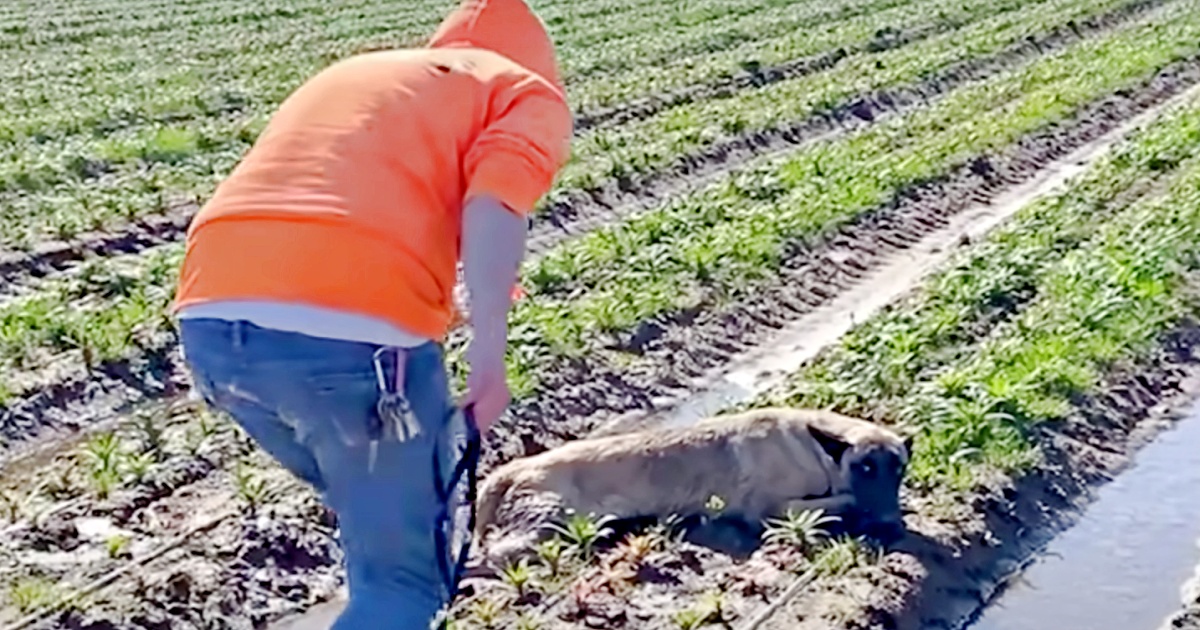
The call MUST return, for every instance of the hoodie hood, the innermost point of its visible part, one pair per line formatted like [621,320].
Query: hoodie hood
[507,27]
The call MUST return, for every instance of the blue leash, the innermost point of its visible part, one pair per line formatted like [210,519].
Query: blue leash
[467,467]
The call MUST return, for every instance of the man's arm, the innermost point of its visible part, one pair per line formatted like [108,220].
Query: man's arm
[509,165]
[493,247]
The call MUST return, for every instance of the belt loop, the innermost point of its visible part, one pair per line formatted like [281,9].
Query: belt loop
[238,332]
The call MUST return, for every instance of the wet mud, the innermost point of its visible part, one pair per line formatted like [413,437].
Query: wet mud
[1120,566]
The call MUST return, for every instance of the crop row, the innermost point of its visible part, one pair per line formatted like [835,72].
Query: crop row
[660,140]
[85,182]
[264,67]
[712,245]
[1124,236]
[715,244]
[617,53]
[1017,330]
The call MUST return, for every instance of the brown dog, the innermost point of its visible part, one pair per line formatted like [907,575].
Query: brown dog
[760,463]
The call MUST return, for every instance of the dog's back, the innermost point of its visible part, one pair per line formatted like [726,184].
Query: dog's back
[752,460]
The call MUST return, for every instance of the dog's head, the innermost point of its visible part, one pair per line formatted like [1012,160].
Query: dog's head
[871,461]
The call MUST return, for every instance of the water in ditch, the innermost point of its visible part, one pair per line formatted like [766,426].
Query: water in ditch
[1122,565]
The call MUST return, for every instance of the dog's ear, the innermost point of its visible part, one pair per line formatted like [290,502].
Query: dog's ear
[833,445]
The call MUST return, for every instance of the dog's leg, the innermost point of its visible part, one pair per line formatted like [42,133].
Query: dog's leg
[834,504]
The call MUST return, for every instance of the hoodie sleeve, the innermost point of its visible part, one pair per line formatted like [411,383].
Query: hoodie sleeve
[522,147]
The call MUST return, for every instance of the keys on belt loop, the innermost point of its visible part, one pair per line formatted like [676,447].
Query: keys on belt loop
[397,420]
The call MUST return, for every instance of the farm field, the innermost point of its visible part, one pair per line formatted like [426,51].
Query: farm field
[738,167]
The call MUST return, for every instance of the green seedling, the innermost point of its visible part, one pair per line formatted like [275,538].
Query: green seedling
[690,618]
[102,450]
[151,432]
[486,611]
[104,482]
[637,548]
[518,575]
[250,487]
[207,425]
[30,593]
[527,622]
[718,609]
[804,530]
[582,532]
[669,531]
[138,465]
[550,551]
[117,546]
[845,554]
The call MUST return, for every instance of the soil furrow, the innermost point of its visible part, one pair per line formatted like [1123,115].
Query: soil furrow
[753,78]
[584,210]
[676,353]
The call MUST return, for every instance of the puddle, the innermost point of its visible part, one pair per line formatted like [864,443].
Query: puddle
[1121,566]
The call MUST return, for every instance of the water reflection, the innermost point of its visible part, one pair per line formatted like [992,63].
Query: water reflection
[1122,566]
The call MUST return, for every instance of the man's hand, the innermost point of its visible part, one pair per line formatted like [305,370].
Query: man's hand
[487,383]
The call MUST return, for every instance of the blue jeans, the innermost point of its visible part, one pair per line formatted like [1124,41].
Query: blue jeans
[290,392]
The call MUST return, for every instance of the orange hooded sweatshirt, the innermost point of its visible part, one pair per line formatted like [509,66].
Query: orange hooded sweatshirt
[352,197]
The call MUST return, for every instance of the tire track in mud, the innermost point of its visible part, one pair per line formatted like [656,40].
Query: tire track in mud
[678,351]
[756,78]
[584,210]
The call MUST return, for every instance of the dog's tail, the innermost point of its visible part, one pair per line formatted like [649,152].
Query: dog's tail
[491,492]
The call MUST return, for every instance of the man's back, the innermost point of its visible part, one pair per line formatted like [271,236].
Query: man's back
[368,164]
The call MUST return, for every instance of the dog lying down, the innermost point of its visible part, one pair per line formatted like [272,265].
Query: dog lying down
[760,463]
